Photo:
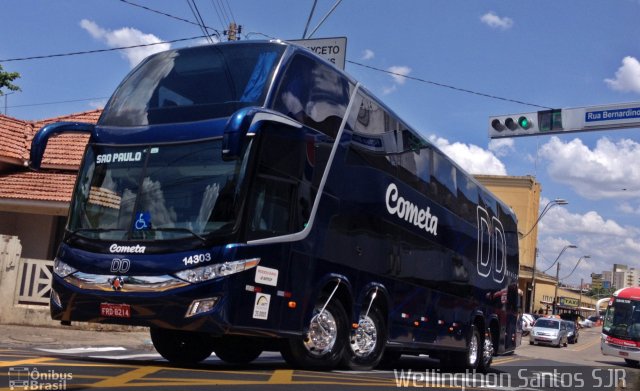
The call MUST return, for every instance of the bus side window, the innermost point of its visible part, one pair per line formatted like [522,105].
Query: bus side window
[443,181]
[313,94]
[467,197]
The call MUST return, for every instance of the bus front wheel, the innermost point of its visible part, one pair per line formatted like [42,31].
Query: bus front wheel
[181,347]
[236,349]
[323,344]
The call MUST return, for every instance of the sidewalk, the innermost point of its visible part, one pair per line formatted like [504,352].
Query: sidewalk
[13,336]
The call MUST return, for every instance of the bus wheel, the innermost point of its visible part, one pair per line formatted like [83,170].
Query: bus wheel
[322,346]
[487,352]
[469,359]
[181,347]
[366,343]
[236,350]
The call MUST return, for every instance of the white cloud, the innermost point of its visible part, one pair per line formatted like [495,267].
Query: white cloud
[399,73]
[610,170]
[126,36]
[559,220]
[97,104]
[604,240]
[627,78]
[368,54]
[494,21]
[472,158]
[501,146]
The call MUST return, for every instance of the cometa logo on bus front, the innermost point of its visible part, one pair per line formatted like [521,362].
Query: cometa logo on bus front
[409,212]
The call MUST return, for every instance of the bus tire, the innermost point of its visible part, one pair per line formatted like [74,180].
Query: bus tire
[181,347]
[366,344]
[487,352]
[469,359]
[324,343]
[236,350]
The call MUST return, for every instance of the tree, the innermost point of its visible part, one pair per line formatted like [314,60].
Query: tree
[6,79]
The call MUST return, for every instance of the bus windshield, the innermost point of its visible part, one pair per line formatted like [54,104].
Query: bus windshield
[193,84]
[156,192]
[622,319]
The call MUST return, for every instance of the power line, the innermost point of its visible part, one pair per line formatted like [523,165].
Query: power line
[218,12]
[196,14]
[98,50]
[57,102]
[449,86]
[233,18]
[169,15]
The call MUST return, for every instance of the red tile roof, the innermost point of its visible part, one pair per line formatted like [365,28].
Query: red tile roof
[13,135]
[41,186]
[63,152]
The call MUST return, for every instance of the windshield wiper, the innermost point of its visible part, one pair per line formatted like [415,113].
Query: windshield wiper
[185,230]
[76,232]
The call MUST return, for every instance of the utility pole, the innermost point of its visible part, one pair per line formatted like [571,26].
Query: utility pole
[555,295]
[5,101]
[234,31]
[580,300]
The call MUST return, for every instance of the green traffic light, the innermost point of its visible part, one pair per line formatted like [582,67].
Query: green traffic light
[524,122]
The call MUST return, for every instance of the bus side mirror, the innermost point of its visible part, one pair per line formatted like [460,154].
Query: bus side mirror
[39,143]
[246,122]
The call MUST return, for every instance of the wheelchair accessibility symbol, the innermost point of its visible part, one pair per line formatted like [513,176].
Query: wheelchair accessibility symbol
[143,221]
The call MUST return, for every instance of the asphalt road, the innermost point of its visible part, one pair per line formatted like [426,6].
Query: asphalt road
[73,359]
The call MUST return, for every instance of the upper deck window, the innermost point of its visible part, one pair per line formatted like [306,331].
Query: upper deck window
[193,84]
[314,94]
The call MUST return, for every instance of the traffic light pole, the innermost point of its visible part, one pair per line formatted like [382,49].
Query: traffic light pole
[581,119]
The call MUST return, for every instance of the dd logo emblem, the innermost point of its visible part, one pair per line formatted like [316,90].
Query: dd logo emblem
[120,265]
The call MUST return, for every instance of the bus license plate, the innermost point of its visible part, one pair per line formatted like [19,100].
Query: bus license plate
[623,354]
[110,310]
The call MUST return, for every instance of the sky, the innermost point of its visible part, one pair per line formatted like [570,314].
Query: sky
[559,54]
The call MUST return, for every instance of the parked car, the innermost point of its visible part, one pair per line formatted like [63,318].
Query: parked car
[592,321]
[527,323]
[572,331]
[549,331]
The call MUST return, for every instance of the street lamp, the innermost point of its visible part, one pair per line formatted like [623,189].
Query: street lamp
[533,291]
[555,294]
[576,266]
[550,204]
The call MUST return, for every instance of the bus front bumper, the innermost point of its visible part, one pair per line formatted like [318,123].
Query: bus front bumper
[191,307]
[610,346]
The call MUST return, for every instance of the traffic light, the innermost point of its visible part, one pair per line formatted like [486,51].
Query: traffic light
[526,124]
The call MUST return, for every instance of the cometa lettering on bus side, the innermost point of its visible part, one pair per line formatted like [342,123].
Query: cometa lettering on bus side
[406,210]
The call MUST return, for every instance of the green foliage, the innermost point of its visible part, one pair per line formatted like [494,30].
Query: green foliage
[6,79]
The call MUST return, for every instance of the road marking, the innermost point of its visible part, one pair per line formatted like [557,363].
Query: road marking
[30,361]
[281,376]
[122,380]
[507,360]
[586,346]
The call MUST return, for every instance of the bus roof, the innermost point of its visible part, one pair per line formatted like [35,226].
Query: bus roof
[628,293]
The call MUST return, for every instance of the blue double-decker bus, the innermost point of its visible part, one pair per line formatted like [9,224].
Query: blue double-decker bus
[246,197]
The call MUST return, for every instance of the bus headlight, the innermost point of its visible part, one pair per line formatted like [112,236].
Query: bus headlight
[206,273]
[62,269]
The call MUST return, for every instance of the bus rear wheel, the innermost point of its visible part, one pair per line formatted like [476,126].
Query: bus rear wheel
[236,350]
[181,347]
[323,344]
[366,343]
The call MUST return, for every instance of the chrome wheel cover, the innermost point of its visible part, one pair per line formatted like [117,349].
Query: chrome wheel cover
[322,335]
[365,337]
[473,350]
